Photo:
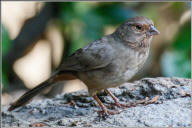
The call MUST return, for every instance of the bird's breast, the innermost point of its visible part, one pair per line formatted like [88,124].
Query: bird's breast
[134,61]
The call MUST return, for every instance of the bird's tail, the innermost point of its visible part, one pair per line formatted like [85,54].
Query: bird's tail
[27,97]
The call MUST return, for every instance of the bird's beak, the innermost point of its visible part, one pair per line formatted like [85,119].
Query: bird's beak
[153,31]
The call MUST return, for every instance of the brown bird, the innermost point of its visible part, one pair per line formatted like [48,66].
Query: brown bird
[105,63]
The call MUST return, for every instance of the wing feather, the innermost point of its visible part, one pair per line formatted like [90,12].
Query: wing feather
[95,55]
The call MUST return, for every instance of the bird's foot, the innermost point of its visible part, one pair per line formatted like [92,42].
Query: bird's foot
[153,100]
[146,101]
[123,105]
[38,124]
[109,112]
[105,113]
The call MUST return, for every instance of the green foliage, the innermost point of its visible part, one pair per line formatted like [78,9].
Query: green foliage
[6,45]
[177,62]
[183,38]
[6,42]
[85,21]
[178,6]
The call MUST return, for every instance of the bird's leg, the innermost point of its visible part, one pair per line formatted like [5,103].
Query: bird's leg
[104,111]
[145,101]
[117,101]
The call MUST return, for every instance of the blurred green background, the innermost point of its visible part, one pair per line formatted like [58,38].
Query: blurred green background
[52,31]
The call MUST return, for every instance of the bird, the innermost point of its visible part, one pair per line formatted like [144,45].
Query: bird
[104,63]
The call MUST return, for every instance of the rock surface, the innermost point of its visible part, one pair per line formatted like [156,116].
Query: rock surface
[173,108]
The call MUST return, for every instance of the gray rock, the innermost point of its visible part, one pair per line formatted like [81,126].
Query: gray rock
[79,109]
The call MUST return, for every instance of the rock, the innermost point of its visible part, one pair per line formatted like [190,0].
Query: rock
[169,105]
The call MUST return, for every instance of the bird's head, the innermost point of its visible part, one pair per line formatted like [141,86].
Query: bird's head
[137,31]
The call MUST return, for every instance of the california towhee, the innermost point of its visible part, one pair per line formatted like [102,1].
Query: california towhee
[105,63]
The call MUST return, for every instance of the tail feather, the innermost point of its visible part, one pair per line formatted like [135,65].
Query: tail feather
[24,99]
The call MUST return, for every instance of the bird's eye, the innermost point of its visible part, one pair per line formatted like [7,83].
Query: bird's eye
[139,27]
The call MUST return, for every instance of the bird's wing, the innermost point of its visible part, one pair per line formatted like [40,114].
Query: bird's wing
[95,55]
